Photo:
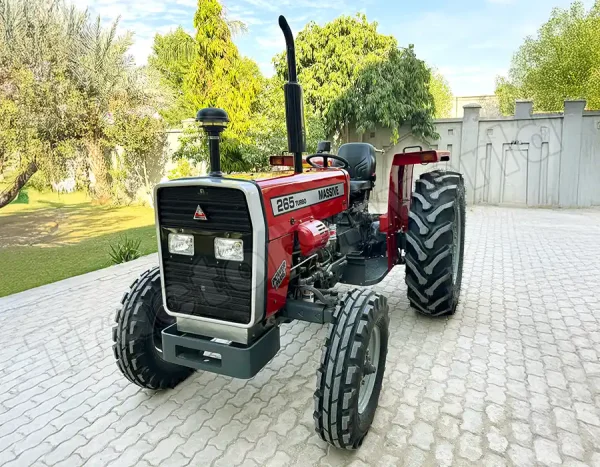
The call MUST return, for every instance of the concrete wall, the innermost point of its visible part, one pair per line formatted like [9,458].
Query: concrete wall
[527,159]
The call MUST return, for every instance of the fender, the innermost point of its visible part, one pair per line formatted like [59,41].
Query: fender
[400,194]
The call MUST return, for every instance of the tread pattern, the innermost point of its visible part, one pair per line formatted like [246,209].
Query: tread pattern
[336,416]
[429,242]
[133,346]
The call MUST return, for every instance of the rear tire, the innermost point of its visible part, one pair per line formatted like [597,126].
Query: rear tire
[137,340]
[359,331]
[435,243]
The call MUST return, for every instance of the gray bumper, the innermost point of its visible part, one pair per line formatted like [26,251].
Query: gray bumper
[233,359]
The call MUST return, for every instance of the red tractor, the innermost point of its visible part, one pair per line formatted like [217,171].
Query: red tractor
[240,258]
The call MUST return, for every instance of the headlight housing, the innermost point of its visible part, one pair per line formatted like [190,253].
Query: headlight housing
[229,249]
[181,244]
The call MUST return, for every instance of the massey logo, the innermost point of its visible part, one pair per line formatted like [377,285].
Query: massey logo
[199,214]
[330,192]
[279,275]
[304,199]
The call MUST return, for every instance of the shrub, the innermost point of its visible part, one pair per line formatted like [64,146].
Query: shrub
[183,168]
[39,182]
[120,194]
[126,249]
[22,197]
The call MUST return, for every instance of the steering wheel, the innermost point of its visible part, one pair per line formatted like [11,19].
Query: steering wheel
[345,164]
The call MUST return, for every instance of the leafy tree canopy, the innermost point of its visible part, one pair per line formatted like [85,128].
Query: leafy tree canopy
[351,72]
[268,128]
[41,106]
[62,75]
[331,57]
[390,92]
[208,71]
[219,75]
[442,94]
[336,63]
[172,57]
[561,62]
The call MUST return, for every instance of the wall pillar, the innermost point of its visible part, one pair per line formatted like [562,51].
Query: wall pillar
[523,110]
[469,148]
[570,153]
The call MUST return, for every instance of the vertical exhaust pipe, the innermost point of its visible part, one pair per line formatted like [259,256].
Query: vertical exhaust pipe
[294,109]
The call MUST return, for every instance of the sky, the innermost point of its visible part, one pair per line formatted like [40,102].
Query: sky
[470,42]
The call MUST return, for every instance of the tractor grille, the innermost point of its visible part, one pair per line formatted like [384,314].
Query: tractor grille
[225,208]
[201,285]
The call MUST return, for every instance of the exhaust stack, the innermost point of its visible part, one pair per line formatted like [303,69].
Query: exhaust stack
[294,109]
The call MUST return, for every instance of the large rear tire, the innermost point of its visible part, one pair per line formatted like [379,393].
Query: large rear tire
[435,243]
[137,336]
[352,366]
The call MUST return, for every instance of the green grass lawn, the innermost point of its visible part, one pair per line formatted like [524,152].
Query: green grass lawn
[54,237]
[22,268]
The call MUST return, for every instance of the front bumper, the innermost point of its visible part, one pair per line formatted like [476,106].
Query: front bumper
[230,359]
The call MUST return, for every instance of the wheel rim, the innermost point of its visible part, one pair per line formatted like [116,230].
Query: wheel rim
[456,240]
[371,366]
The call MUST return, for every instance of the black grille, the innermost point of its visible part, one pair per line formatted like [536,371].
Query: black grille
[201,285]
[225,208]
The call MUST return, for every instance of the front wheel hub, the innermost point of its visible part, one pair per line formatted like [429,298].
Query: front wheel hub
[369,370]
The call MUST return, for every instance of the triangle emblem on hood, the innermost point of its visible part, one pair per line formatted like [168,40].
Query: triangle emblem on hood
[199,214]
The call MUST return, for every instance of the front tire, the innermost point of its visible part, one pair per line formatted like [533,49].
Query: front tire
[435,243]
[137,336]
[352,366]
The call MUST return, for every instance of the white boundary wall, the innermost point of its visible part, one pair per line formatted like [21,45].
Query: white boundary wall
[527,160]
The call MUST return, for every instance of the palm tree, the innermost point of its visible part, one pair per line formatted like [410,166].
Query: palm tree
[103,73]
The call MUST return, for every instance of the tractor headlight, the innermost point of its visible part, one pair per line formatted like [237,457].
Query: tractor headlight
[229,249]
[180,244]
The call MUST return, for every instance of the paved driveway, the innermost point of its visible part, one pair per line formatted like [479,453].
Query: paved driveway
[512,378]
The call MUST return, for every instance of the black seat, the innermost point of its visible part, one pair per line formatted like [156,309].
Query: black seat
[361,158]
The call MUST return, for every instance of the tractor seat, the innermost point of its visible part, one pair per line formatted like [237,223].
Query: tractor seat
[362,164]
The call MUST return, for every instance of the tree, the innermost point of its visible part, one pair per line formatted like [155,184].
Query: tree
[269,131]
[442,95]
[39,105]
[62,73]
[172,56]
[347,70]
[507,94]
[140,135]
[331,57]
[562,62]
[104,73]
[389,92]
[217,76]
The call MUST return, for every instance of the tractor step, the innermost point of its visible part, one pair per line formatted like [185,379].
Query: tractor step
[365,271]
[218,356]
